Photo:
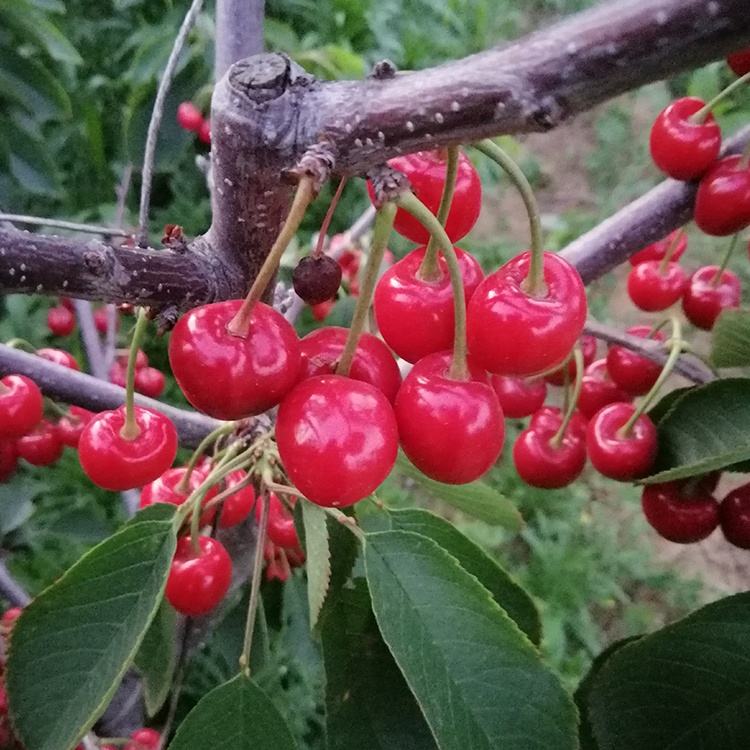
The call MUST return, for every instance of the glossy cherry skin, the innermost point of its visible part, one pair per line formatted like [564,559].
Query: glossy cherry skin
[149,381]
[168,489]
[658,250]
[143,739]
[337,439]
[189,116]
[598,389]
[550,418]
[682,149]
[231,377]
[512,333]
[20,406]
[236,507]
[8,458]
[59,357]
[739,62]
[652,289]
[401,295]
[70,427]
[280,527]
[197,583]
[61,321]
[722,203]
[426,172]
[734,516]
[679,519]
[451,430]
[373,363]
[117,464]
[588,349]
[519,397]
[621,457]
[633,373]
[42,446]
[704,300]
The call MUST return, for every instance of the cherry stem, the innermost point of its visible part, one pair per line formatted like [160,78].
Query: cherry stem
[688,348]
[318,252]
[303,197]
[21,345]
[670,251]
[252,610]
[381,234]
[675,349]
[228,492]
[130,430]
[58,410]
[744,161]
[716,279]
[429,270]
[699,117]
[184,484]
[534,283]
[459,370]
[557,438]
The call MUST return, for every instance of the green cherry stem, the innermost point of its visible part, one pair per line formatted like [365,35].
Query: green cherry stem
[130,429]
[54,407]
[430,268]
[380,236]
[670,250]
[303,197]
[459,370]
[534,283]
[700,116]
[557,438]
[716,280]
[184,484]
[21,345]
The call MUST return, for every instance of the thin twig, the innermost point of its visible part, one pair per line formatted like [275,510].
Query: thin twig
[91,341]
[11,589]
[73,226]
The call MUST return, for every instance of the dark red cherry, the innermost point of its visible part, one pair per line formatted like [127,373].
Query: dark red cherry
[20,406]
[653,289]
[598,389]
[401,295]
[149,381]
[734,516]
[8,458]
[513,333]
[739,62]
[708,294]
[519,397]
[659,249]
[451,430]
[679,519]
[588,349]
[722,203]
[317,279]
[42,446]
[70,427]
[59,357]
[189,116]
[680,148]
[204,132]
[61,321]
[280,528]
[633,372]
[426,172]
[373,363]
[231,377]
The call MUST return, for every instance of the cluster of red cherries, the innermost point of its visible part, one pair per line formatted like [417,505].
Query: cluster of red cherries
[191,118]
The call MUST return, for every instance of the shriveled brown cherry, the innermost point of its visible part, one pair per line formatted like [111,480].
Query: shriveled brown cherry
[316,279]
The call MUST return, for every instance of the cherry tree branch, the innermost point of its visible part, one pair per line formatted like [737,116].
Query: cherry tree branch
[239,32]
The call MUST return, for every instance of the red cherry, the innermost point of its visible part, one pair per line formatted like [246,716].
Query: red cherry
[337,439]
[426,172]
[588,349]
[118,375]
[70,427]
[617,456]
[42,446]
[237,506]
[652,288]
[734,515]
[659,249]
[518,397]
[705,298]
[189,116]
[514,333]
[683,520]
[204,132]
[722,203]
[8,458]
[144,739]
[550,418]
[8,620]
[20,406]
[280,527]
[149,381]
[598,389]
[168,489]
[198,582]
[373,363]
[68,303]
[59,357]
[321,310]
[117,464]
[61,321]
[739,62]
[680,148]
[231,377]
[451,430]
[632,372]
[141,360]
[101,320]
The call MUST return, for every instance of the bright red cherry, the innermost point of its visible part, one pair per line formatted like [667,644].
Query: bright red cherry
[550,418]
[237,506]
[722,203]
[739,62]
[8,620]
[101,320]
[231,377]
[633,372]
[118,464]
[598,389]
[61,321]
[683,149]
[373,363]
[652,288]
[426,172]
[141,360]
[197,582]
[204,132]
[20,406]
[659,249]
[511,332]
[451,430]
[708,294]
[734,516]
[8,458]
[168,488]
[588,349]
[149,381]
[59,357]
[145,739]
[280,528]
[519,397]
[42,446]
[619,456]
[678,518]
[401,295]
[337,439]
[70,427]
[189,116]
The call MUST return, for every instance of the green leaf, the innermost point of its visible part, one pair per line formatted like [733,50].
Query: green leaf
[476,499]
[318,558]
[686,687]
[368,704]
[75,640]
[237,714]
[480,682]
[33,87]
[30,163]
[706,429]
[154,512]
[157,657]
[730,342]
[665,404]
[473,559]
